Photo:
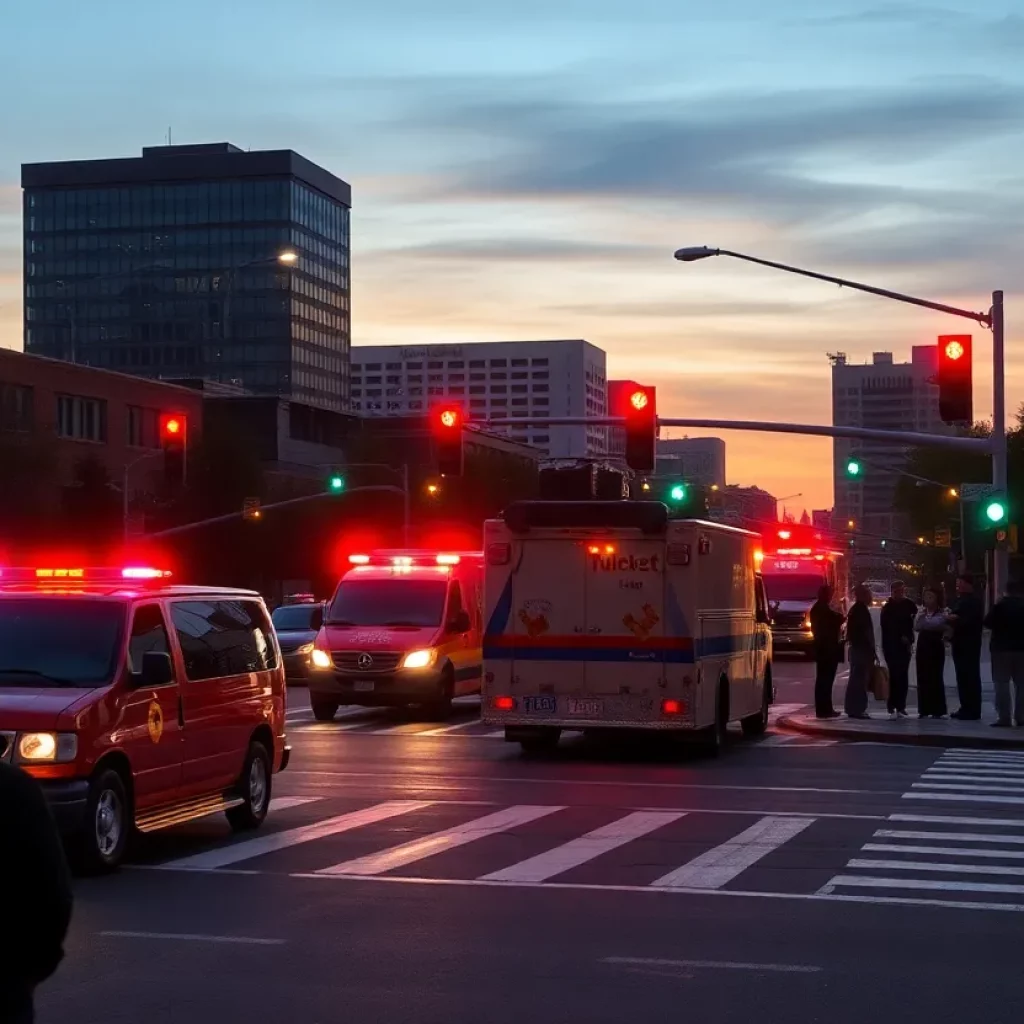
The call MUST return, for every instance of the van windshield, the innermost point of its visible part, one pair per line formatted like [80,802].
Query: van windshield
[397,602]
[798,587]
[295,616]
[59,641]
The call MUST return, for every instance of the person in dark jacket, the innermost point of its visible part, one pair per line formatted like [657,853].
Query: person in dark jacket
[931,626]
[1006,620]
[897,623]
[860,635]
[826,628]
[35,894]
[967,616]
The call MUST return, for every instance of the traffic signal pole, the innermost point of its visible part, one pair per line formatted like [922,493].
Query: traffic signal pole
[1000,459]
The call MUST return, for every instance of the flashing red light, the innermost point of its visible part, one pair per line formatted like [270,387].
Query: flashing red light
[504,703]
[450,418]
[172,426]
[639,399]
[359,559]
[448,559]
[954,350]
[672,707]
[785,534]
[142,572]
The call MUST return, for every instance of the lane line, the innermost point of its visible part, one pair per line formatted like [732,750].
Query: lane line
[585,848]
[720,865]
[439,842]
[1009,755]
[943,851]
[970,787]
[962,837]
[450,728]
[945,820]
[401,729]
[966,798]
[283,803]
[974,773]
[927,884]
[237,852]
[730,965]
[869,864]
[242,940]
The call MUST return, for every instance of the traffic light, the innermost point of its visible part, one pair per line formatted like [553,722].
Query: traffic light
[336,483]
[677,493]
[955,378]
[173,441]
[641,429]
[447,422]
[996,512]
[853,467]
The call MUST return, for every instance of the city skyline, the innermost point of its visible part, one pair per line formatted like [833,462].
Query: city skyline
[533,182]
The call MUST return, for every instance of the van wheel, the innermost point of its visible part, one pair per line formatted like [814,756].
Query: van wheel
[254,788]
[755,725]
[715,736]
[101,845]
[440,707]
[540,742]
[324,710]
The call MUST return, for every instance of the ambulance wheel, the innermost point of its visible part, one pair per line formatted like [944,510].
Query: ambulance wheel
[540,742]
[755,725]
[441,706]
[324,710]
[715,735]
[100,846]
[254,788]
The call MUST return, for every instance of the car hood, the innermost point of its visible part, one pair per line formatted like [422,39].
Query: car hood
[32,707]
[376,638]
[793,606]
[291,638]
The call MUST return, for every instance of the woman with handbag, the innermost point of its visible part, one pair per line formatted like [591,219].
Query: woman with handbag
[930,626]
[860,635]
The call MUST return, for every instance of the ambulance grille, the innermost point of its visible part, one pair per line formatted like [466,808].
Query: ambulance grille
[356,661]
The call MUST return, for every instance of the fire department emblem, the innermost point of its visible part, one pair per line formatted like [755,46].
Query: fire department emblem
[155,722]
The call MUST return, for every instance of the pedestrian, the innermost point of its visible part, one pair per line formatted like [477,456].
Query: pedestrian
[897,622]
[860,635]
[931,627]
[826,630]
[967,617]
[1006,620]
[35,893]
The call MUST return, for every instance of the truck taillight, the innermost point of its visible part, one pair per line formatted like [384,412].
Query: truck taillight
[498,554]
[672,707]
[504,703]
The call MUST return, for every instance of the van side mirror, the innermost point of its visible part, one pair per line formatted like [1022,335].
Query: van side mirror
[460,623]
[316,619]
[157,669]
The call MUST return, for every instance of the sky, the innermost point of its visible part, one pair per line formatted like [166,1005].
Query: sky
[527,170]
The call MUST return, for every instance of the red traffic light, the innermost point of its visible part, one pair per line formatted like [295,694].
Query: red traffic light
[641,428]
[638,400]
[450,418]
[954,350]
[172,427]
[448,421]
[955,378]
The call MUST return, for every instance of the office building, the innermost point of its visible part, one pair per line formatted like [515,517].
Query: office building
[883,395]
[698,460]
[193,261]
[492,380]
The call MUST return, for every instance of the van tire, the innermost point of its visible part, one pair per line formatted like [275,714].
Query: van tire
[541,742]
[101,845]
[755,725]
[254,787]
[323,710]
[440,707]
[715,736]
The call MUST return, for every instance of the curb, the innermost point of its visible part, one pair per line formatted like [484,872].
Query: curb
[811,728]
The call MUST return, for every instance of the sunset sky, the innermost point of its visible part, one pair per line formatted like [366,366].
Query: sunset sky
[526,170]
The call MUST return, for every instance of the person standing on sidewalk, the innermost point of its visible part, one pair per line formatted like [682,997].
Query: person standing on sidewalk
[1006,620]
[35,893]
[967,619]
[826,629]
[931,627]
[897,623]
[860,635]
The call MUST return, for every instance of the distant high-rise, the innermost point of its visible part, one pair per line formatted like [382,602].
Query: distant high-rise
[700,460]
[886,396]
[170,265]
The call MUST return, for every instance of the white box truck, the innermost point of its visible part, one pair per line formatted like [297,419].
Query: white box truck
[610,615]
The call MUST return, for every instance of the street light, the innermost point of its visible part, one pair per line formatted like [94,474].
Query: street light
[994,319]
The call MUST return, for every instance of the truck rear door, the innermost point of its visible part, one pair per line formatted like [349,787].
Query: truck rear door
[625,590]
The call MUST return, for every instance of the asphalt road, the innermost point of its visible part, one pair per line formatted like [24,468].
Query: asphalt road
[424,873]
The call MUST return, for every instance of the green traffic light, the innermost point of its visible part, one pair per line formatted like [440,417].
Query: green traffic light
[853,468]
[996,512]
[678,493]
[336,483]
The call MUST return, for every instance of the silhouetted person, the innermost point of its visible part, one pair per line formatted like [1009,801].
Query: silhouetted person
[1006,620]
[967,617]
[826,629]
[860,635]
[931,627]
[897,622]
[35,894]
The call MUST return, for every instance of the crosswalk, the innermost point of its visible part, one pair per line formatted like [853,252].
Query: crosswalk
[359,721]
[970,859]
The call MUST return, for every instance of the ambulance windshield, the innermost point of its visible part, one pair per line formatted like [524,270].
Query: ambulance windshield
[793,586]
[393,602]
[58,641]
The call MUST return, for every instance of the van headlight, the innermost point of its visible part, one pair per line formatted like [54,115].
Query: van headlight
[320,658]
[304,649]
[46,747]
[420,659]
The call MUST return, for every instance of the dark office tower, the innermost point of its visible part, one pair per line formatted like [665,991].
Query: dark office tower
[193,261]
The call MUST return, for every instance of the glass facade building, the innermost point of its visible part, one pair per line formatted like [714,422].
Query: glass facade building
[168,265]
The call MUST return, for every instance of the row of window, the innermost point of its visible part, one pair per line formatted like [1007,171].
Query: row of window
[453,364]
[452,389]
[373,400]
[452,378]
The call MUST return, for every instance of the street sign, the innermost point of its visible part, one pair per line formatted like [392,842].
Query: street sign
[943,538]
[976,492]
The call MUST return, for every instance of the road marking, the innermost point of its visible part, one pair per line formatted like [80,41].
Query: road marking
[966,798]
[938,819]
[450,728]
[974,773]
[970,787]
[935,885]
[868,864]
[498,734]
[730,965]
[439,842]
[401,729]
[942,851]
[968,752]
[282,803]
[237,852]
[963,837]
[243,940]
[719,866]
[585,848]
[448,780]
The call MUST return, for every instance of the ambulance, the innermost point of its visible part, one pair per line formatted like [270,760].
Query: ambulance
[403,628]
[609,615]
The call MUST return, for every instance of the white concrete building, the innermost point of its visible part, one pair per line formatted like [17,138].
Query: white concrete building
[491,379]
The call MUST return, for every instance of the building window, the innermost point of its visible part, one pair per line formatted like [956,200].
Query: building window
[499,362]
[15,408]
[81,419]
[141,427]
[539,362]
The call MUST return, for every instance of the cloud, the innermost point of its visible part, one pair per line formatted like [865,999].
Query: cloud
[517,249]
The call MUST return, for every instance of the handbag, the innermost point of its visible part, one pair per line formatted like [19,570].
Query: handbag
[878,684]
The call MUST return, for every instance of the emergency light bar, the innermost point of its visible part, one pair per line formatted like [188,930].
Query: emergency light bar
[45,574]
[404,561]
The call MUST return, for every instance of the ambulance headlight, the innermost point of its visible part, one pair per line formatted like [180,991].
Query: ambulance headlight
[420,659]
[47,747]
[320,658]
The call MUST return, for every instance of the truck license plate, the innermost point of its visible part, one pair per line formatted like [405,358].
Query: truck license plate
[363,686]
[584,708]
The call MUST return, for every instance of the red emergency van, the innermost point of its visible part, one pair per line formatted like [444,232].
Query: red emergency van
[138,704]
